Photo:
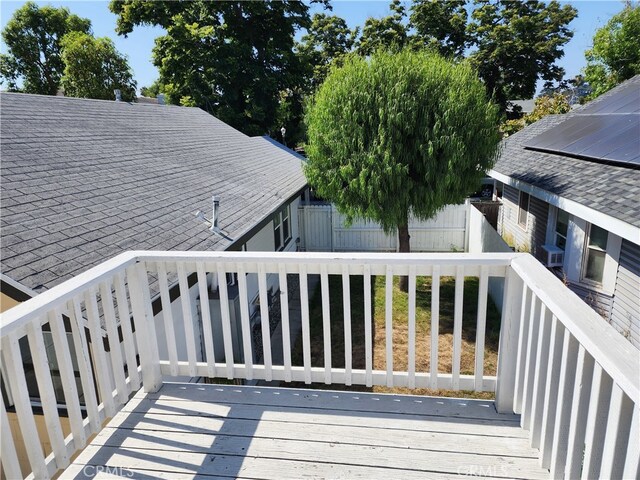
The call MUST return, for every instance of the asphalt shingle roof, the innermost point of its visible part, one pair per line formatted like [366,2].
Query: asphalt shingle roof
[84,180]
[612,190]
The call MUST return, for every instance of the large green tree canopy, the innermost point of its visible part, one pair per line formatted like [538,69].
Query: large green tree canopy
[516,43]
[615,55]
[33,37]
[94,68]
[400,134]
[232,59]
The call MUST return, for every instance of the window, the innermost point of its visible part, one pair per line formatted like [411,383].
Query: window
[595,254]
[562,225]
[282,228]
[523,209]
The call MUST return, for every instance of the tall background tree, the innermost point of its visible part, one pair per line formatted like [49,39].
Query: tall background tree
[440,26]
[615,55]
[386,32]
[33,38]
[399,135]
[232,59]
[93,68]
[517,43]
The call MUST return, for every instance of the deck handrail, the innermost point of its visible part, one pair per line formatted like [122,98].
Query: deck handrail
[559,364]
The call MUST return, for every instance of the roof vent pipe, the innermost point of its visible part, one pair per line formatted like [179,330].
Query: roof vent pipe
[160,98]
[118,94]
[214,218]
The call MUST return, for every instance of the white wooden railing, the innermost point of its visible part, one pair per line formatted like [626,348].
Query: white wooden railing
[573,379]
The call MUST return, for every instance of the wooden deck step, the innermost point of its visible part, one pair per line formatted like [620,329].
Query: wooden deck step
[213,431]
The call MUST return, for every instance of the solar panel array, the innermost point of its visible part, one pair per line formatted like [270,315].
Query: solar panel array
[606,131]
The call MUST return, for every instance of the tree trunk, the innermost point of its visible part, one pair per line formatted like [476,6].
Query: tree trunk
[404,247]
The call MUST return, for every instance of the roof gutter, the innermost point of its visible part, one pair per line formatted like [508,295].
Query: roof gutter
[623,229]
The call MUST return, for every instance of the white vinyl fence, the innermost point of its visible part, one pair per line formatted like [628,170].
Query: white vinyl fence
[323,229]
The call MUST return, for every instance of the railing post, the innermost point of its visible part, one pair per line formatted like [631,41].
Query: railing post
[145,328]
[508,347]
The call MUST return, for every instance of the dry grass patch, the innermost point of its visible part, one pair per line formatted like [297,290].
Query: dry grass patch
[400,331]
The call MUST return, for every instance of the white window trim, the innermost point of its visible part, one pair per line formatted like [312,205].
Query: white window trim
[526,217]
[610,269]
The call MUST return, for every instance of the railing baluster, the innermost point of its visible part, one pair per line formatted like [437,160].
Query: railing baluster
[579,411]
[617,434]
[435,326]
[326,322]
[304,312]
[187,319]
[167,317]
[530,364]
[47,394]
[481,327]
[100,357]
[457,328]
[127,332]
[411,366]
[226,320]
[368,340]
[10,462]
[599,400]
[83,357]
[244,320]
[286,331]
[563,408]
[264,319]
[527,303]
[388,323]
[71,397]
[632,460]
[346,307]
[551,392]
[115,354]
[146,338]
[540,376]
[22,403]
[205,311]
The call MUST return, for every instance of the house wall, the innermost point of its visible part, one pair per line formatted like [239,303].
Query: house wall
[625,312]
[6,302]
[531,237]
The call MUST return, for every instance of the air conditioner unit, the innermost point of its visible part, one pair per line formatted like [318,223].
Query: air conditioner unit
[554,256]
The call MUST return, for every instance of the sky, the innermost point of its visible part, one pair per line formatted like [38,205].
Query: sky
[138,45]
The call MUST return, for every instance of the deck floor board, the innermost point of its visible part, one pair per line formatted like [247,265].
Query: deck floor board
[214,431]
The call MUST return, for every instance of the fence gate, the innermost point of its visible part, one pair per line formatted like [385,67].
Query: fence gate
[316,227]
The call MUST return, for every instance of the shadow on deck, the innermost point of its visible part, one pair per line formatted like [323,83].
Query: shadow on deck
[191,431]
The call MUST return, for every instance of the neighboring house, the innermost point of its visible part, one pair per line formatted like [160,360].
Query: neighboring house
[570,192]
[85,180]
[525,106]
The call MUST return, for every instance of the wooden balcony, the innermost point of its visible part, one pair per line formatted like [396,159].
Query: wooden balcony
[566,389]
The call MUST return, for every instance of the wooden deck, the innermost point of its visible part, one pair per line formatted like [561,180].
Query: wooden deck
[188,431]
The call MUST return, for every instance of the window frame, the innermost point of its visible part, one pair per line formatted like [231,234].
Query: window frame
[557,234]
[522,209]
[281,220]
[585,257]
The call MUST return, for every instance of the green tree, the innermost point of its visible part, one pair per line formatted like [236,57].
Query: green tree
[399,134]
[153,90]
[518,43]
[388,32]
[326,42]
[441,26]
[232,59]
[33,38]
[93,68]
[615,55]
[554,104]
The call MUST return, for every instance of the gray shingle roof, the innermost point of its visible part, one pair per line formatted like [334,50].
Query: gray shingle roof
[612,190]
[84,180]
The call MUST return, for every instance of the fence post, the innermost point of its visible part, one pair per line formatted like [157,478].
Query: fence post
[145,328]
[508,347]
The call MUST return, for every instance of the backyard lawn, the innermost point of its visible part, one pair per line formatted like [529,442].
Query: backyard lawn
[400,331]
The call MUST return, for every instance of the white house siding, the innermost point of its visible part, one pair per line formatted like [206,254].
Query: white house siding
[625,313]
[531,237]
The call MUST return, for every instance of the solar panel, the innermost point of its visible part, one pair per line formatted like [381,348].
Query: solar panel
[626,99]
[606,137]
